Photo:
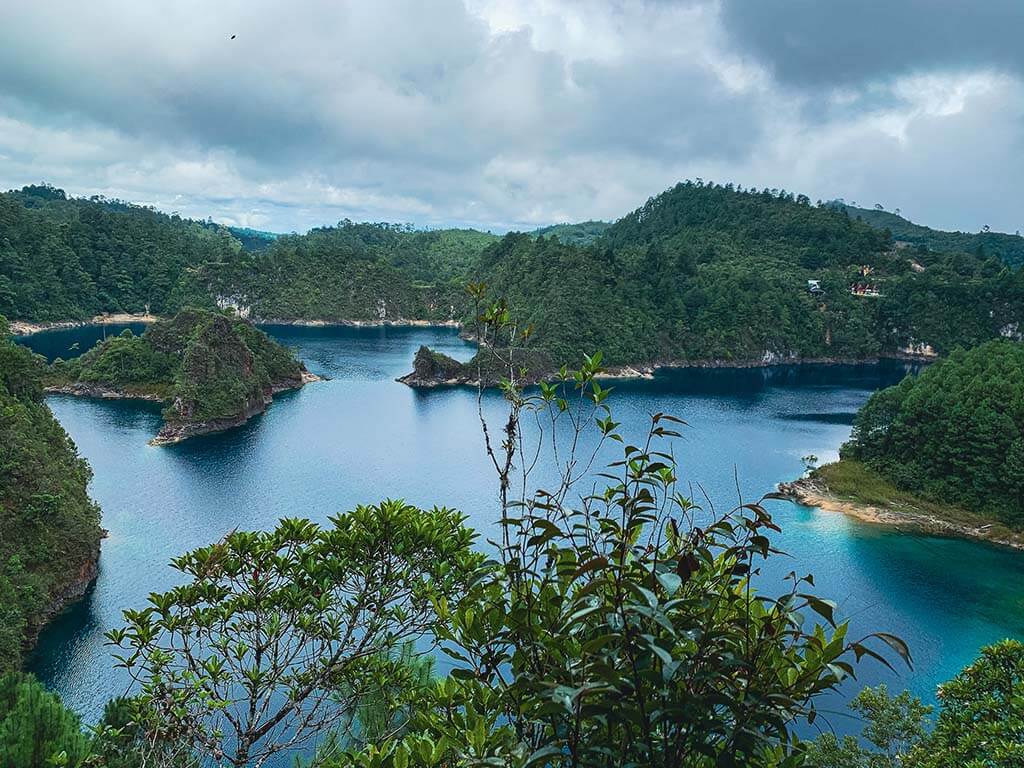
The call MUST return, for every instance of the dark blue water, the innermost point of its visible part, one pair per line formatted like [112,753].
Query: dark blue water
[361,437]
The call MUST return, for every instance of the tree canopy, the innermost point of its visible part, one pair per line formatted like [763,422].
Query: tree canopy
[954,433]
[49,527]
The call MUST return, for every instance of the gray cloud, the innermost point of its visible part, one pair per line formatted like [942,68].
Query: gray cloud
[816,42]
[505,113]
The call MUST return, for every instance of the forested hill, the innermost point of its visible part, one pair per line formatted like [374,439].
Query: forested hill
[714,273]
[213,370]
[67,258]
[1009,248]
[64,258]
[356,272]
[49,528]
[954,434]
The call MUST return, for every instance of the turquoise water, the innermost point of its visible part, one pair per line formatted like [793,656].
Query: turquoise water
[360,437]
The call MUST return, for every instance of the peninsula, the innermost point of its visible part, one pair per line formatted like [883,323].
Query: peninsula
[941,452]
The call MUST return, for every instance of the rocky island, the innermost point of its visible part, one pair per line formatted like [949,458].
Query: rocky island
[436,369]
[214,371]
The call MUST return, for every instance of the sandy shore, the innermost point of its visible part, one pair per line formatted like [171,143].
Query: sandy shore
[812,494]
[27,328]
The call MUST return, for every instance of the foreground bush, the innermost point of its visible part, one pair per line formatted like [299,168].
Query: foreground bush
[980,722]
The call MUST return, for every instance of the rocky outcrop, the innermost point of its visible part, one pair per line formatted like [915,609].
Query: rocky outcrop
[80,576]
[100,391]
[182,428]
[434,369]
[214,371]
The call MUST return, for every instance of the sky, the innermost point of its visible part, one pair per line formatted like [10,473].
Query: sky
[512,114]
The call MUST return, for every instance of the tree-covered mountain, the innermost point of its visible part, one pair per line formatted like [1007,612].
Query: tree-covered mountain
[953,434]
[701,273]
[1007,247]
[713,273]
[64,258]
[355,272]
[213,371]
[49,527]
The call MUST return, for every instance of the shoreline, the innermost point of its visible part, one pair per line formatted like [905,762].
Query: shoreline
[626,371]
[810,493]
[649,371]
[400,323]
[30,327]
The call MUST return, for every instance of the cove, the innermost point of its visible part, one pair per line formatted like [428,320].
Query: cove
[361,436]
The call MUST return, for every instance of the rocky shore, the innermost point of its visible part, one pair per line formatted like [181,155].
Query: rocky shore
[813,493]
[80,576]
[433,369]
[100,391]
[398,323]
[176,431]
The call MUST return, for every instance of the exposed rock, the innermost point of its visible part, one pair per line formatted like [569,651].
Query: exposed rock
[434,369]
[100,391]
[80,576]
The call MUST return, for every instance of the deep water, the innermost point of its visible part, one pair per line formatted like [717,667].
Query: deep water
[361,436]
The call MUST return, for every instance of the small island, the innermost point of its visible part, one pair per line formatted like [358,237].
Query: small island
[942,452]
[214,371]
[436,369]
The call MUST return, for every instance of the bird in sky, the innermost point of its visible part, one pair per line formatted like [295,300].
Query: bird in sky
[232,37]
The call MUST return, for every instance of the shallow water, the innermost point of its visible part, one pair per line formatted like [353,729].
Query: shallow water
[361,436]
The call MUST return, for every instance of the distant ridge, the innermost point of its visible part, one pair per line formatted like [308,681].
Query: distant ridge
[1007,247]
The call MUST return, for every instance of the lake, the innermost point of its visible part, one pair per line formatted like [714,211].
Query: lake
[361,437]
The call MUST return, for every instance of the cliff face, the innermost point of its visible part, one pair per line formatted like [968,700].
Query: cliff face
[434,369]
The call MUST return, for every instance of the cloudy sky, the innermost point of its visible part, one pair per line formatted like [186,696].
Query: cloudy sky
[514,113]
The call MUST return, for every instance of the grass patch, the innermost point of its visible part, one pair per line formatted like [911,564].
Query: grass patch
[854,481]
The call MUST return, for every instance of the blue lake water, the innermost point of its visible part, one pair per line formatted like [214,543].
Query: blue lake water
[361,437]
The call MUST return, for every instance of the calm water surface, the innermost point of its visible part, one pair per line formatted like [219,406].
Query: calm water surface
[361,437]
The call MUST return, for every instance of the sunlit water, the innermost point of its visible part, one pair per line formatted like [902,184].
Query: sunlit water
[361,437]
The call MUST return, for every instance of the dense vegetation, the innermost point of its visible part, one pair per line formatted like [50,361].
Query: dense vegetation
[1006,247]
[356,272]
[980,722]
[583,233]
[701,272]
[955,433]
[63,258]
[705,272]
[208,366]
[49,528]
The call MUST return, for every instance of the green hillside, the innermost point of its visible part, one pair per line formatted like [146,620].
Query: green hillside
[356,272]
[1009,248]
[583,233]
[953,434]
[66,258]
[714,273]
[49,527]
[213,371]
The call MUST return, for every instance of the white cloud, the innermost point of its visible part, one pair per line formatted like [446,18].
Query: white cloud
[496,114]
